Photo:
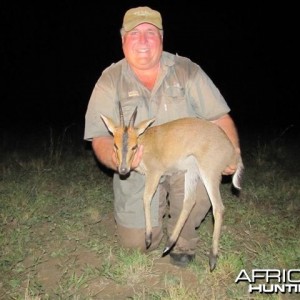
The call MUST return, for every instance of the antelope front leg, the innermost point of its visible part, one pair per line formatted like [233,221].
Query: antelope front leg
[150,188]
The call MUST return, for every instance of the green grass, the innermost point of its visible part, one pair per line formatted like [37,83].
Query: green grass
[58,239]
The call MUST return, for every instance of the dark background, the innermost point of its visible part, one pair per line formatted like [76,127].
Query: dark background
[52,55]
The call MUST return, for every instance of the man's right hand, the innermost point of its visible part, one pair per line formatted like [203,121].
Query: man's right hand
[137,157]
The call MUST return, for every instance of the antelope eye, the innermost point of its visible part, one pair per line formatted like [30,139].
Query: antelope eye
[134,147]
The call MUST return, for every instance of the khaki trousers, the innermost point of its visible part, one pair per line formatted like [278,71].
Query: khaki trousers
[171,195]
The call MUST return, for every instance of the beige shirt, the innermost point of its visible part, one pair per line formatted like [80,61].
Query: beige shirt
[182,89]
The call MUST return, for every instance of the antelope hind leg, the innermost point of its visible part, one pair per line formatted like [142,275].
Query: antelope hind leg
[218,213]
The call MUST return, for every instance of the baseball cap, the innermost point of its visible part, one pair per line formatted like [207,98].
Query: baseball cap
[144,14]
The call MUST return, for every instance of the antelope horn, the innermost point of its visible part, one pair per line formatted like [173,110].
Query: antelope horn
[132,119]
[122,123]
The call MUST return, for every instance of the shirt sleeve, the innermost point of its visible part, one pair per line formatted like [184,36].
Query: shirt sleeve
[207,101]
[102,101]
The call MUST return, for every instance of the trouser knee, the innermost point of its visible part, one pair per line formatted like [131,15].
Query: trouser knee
[134,238]
[175,186]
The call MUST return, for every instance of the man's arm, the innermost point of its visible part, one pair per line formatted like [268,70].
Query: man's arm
[104,150]
[227,124]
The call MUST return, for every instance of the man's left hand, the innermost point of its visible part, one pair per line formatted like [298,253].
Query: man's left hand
[229,170]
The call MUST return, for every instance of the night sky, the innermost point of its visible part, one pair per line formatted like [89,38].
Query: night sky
[51,57]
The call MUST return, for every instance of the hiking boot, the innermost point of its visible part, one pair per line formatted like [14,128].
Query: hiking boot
[181,259]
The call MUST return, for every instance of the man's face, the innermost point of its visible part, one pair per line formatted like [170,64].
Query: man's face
[142,46]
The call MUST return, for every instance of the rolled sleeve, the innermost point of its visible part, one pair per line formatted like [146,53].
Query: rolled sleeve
[207,101]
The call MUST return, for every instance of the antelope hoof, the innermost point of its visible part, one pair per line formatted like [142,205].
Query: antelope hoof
[148,240]
[212,261]
[168,247]
[166,250]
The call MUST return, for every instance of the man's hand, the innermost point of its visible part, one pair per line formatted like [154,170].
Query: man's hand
[227,124]
[229,170]
[137,157]
[114,160]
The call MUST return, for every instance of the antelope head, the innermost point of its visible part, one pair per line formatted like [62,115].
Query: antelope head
[125,138]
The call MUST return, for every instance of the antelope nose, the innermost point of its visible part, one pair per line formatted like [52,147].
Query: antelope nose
[123,170]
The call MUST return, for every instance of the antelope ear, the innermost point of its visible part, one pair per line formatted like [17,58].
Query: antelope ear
[144,125]
[109,123]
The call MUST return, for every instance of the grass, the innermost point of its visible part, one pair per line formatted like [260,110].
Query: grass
[58,240]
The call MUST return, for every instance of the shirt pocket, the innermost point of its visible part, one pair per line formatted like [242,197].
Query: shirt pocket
[174,103]
[174,93]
